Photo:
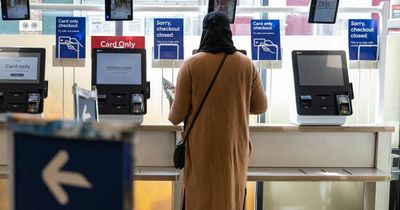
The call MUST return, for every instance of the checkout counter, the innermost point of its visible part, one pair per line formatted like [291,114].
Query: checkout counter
[280,153]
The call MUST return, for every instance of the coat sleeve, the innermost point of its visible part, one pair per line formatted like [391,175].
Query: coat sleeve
[258,100]
[180,108]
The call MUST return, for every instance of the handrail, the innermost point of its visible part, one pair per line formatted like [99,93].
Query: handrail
[183,8]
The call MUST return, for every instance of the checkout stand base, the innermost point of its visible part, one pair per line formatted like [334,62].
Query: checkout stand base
[3,117]
[135,119]
[318,120]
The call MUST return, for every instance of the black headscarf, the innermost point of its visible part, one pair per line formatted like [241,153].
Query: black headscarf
[217,34]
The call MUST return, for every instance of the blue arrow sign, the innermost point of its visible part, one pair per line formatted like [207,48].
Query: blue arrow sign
[168,38]
[363,39]
[265,40]
[71,37]
[56,173]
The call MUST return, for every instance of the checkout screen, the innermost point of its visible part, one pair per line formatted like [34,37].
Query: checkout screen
[19,67]
[320,70]
[325,11]
[119,69]
[226,6]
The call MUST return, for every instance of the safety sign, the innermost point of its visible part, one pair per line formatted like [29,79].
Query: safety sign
[71,37]
[265,40]
[168,38]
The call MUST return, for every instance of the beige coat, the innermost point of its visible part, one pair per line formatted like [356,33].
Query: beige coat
[219,146]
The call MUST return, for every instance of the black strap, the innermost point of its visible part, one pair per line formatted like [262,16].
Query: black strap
[205,96]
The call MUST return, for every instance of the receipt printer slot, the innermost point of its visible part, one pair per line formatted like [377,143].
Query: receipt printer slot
[119,98]
[33,102]
[305,101]
[101,99]
[343,105]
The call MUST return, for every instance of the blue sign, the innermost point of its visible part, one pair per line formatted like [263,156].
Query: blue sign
[265,40]
[363,39]
[59,174]
[168,38]
[71,37]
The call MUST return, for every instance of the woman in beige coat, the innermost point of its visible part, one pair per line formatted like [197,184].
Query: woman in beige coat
[218,148]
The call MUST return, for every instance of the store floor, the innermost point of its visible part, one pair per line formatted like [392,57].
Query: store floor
[149,195]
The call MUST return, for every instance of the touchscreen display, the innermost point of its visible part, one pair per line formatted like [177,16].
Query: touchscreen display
[226,6]
[323,11]
[19,67]
[15,9]
[320,70]
[119,10]
[119,69]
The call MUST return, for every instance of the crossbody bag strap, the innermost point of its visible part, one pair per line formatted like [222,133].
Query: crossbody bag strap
[205,96]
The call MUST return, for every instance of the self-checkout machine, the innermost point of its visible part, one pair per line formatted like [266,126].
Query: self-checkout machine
[119,75]
[22,80]
[168,53]
[266,53]
[323,94]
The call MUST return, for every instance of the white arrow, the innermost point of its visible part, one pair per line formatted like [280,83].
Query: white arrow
[53,177]
[85,114]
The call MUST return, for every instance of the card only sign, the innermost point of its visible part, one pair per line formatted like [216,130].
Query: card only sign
[71,37]
[265,40]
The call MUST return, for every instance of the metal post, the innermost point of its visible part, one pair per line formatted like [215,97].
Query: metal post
[380,106]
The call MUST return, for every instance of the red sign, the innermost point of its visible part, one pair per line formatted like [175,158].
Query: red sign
[128,42]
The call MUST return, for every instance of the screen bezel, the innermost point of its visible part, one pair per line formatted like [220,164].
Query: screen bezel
[4,10]
[108,12]
[211,9]
[313,9]
[86,94]
[296,71]
[41,64]
[97,51]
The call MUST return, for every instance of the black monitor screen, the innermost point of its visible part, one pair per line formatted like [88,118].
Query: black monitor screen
[323,11]
[320,70]
[15,9]
[19,67]
[226,6]
[119,68]
[119,10]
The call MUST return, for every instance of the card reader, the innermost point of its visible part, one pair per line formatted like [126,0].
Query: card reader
[343,105]
[33,103]
[137,104]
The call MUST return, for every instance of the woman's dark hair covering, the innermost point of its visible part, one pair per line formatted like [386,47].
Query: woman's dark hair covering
[217,34]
